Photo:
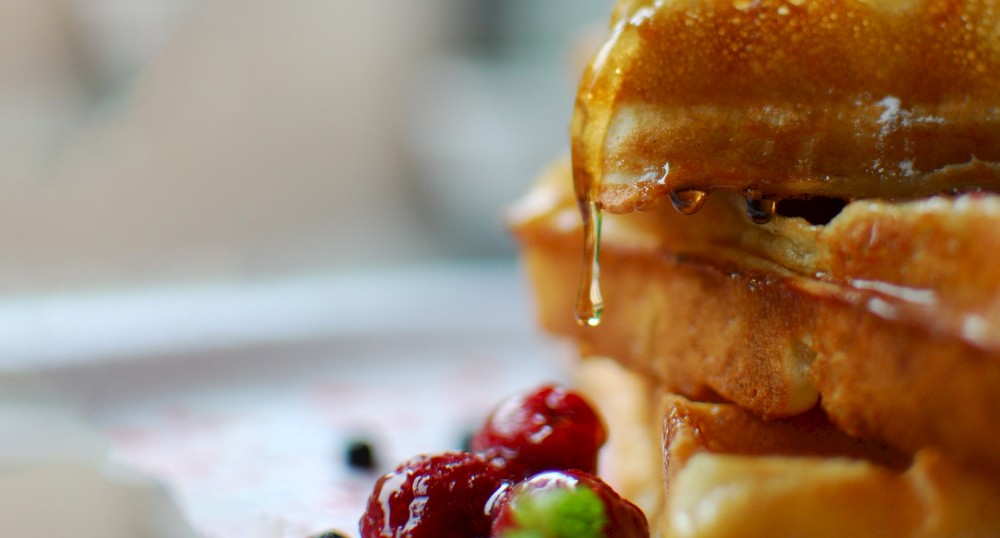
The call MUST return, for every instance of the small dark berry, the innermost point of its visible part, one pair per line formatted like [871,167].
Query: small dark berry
[329,534]
[551,428]
[440,496]
[466,444]
[359,455]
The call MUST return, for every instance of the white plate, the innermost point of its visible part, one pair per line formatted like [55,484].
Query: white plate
[241,398]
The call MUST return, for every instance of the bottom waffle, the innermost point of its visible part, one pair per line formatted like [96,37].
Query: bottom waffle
[726,473]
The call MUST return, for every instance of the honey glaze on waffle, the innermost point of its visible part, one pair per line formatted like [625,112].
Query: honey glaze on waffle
[780,100]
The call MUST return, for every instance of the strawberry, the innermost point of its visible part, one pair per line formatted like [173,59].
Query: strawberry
[551,428]
[439,496]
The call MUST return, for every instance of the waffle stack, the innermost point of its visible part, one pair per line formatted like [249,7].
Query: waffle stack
[792,208]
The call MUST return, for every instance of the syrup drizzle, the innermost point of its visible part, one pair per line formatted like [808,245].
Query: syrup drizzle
[688,201]
[761,210]
[589,301]
[591,117]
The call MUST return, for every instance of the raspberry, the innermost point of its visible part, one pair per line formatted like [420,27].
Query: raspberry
[551,428]
[439,496]
[559,504]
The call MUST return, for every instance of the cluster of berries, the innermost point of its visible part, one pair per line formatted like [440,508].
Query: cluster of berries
[530,473]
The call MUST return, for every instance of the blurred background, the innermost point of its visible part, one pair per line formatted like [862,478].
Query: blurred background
[152,140]
[235,234]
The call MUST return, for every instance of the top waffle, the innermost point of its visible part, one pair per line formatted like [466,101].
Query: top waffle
[785,99]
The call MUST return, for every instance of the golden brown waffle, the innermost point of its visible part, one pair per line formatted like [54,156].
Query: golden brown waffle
[730,474]
[897,336]
[791,98]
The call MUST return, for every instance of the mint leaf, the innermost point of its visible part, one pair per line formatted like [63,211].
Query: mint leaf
[561,513]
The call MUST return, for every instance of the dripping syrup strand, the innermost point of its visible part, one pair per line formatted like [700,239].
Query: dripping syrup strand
[589,301]
[591,118]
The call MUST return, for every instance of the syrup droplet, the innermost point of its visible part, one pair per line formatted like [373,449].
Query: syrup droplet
[688,201]
[760,210]
[589,302]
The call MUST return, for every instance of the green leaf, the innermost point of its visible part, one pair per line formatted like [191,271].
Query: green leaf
[561,513]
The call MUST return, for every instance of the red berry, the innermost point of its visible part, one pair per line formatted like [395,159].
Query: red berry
[512,509]
[440,496]
[551,428]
